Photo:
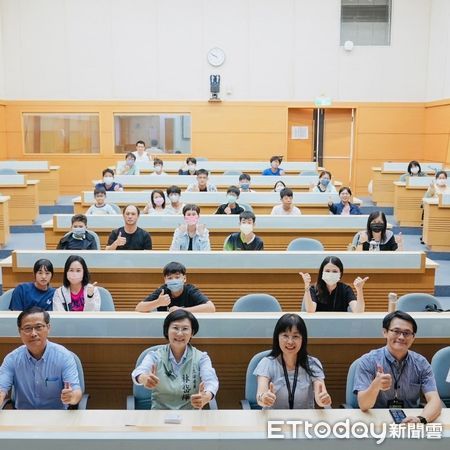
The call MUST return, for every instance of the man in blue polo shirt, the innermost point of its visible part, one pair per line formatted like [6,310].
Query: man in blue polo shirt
[394,376]
[44,374]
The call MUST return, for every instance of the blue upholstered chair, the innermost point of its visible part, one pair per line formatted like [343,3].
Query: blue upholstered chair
[257,303]
[251,383]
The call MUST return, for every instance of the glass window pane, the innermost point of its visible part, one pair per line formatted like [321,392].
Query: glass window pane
[61,133]
[162,133]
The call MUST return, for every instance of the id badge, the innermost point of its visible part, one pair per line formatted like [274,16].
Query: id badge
[396,403]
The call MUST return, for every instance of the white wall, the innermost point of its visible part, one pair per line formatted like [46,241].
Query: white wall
[438,86]
[156,49]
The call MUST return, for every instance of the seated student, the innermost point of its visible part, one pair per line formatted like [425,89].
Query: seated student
[279,186]
[37,293]
[202,184]
[154,147]
[176,294]
[245,239]
[157,205]
[76,293]
[330,294]
[130,167]
[158,167]
[179,375]
[130,236]
[344,207]
[109,185]
[413,170]
[231,206]
[191,235]
[175,207]
[394,376]
[289,378]
[79,238]
[274,168]
[376,237]
[324,184]
[44,374]
[244,182]
[140,153]
[286,208]
[438,186]
[100,207]
[190,168]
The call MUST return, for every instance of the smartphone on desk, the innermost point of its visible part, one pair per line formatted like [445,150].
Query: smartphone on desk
[397,414]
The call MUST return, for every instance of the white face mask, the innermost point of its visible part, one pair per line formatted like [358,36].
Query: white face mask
[158,169]
[75,277]
[108,180]
[174,198]
[192,167]
[246,228]
[331,277]
[414,170]
[441,182]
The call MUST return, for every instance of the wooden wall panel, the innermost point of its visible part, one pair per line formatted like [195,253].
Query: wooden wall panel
[300,149]
[3,144]
[437,129]
[391,118]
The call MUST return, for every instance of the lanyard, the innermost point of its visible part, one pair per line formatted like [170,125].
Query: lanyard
[396,379]
[291,393]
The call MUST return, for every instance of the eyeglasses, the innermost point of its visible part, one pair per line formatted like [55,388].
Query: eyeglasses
[287,337]
[29,329]
[407,334]
[184,330]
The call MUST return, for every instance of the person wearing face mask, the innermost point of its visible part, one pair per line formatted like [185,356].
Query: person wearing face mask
[245,239]
[324,184]
[140,153]
[158,167]
[274,168]
[190,168]
[76,293]
[329,293]
[413,170]
[231,206]
[376,236]
[130,167]
[344,207]
[108,184]
[175,293]
[244,182]
[157,205]
[38,293]
[191,235]
[279,186]
[78,238]
[439,186]
[175,207]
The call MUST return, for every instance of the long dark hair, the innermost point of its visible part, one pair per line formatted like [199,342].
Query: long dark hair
[69,261]
[286,323]
[374,215]
[152,198]
[321,286]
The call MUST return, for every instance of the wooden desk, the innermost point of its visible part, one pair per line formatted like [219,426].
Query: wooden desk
[203,430]
[108,344]
[436,223]
[24,202]
[48,176]
[259,183]
[408,200]
[383,178]
[335,232]
[225,276]
[261,202]
[4,220]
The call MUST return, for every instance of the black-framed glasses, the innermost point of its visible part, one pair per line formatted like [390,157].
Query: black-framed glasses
[29,329]
[407,334]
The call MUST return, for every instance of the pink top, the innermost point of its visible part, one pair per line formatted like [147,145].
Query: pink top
[77,299]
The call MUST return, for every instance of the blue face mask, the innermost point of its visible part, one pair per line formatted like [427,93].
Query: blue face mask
[324,181]
[245,186]
[175,285]
[231,199]
[78,232]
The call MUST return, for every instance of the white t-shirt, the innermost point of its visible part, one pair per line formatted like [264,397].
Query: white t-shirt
[278,210]
[95,210]
[143,158]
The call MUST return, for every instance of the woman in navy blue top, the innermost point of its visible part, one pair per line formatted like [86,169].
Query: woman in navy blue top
[344,207]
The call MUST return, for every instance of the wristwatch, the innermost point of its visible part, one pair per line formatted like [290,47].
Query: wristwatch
[422,419]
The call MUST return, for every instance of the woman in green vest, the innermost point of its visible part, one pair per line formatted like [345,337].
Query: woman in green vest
[179,375]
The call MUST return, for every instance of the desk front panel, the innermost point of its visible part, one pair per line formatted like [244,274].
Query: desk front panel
[48,187]
[436,227]
[407,205]
[383,187]
[24,203]
[4,220]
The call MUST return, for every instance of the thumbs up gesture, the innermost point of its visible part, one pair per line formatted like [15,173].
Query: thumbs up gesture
[200,399]
[383,380]
[269,397]
[150,380]
[306,279]
[359,283]
[322,396]
[90,289]
[163,299]
[121,240]
[66,393]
